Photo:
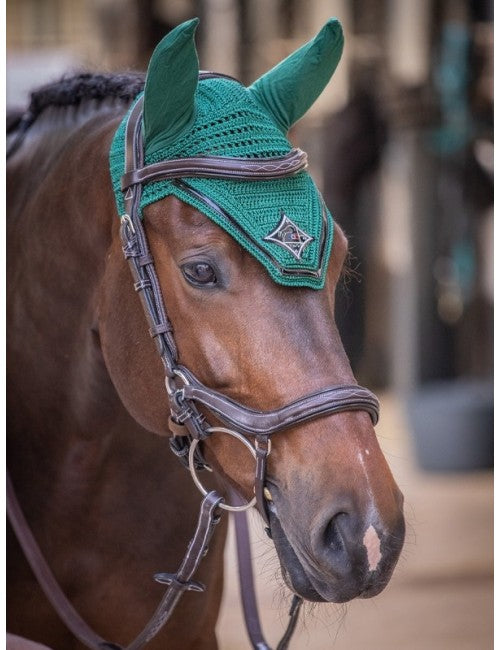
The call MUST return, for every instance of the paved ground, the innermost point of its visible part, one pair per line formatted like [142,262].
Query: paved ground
[441,595]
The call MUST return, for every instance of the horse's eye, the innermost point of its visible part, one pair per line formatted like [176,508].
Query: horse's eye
[199,274]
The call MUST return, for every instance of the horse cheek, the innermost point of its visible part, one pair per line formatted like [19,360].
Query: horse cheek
[129,353]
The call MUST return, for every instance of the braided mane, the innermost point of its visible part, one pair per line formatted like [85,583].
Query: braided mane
[72,91]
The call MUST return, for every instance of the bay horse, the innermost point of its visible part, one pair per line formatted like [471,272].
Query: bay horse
[250,328]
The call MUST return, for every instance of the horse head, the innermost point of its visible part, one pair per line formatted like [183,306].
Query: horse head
[248,270]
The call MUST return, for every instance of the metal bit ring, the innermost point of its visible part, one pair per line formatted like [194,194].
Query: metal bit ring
[197,481]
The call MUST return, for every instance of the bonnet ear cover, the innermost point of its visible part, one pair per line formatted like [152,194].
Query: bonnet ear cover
[289,89]
[282,222]
[169,93]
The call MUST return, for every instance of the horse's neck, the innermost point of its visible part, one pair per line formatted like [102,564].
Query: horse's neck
[85,472]
[59,231]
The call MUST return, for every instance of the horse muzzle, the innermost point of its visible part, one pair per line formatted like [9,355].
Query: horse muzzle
[347,556]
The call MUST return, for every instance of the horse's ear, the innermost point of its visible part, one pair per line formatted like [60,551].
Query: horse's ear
[170,87]
[290,88]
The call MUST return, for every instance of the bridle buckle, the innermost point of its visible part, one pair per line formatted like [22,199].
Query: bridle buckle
[258,444]
[127,221]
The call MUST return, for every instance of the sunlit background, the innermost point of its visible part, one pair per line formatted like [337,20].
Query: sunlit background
[401,143]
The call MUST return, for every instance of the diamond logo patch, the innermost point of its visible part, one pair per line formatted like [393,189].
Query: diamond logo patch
[290,236]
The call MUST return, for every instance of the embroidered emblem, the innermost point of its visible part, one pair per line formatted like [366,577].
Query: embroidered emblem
[290,236]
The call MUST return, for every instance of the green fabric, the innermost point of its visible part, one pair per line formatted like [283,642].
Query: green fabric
[231,120]
[291,87]
[170,87]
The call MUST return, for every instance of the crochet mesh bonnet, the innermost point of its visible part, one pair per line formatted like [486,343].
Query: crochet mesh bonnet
[282,222]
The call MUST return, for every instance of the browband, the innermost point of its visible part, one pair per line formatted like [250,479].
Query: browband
[209,166]
[219,167]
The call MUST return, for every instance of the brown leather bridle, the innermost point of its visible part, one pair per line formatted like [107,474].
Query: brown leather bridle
[186,394]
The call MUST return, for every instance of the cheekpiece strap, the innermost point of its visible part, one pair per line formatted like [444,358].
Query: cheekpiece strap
[136,248]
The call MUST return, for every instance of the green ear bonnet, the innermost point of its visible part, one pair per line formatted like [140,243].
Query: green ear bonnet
[282,222]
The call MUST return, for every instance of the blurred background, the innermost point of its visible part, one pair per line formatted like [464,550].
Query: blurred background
[401,144]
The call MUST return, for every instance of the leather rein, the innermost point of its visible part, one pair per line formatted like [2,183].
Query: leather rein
[186,394]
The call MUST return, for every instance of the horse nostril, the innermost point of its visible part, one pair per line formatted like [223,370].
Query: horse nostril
[333,538]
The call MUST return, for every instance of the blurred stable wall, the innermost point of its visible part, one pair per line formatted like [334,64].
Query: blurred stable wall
[401,143]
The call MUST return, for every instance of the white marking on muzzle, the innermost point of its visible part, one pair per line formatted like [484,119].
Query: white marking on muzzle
[371,540]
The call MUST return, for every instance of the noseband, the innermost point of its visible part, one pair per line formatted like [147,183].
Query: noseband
[185,392]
